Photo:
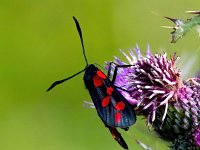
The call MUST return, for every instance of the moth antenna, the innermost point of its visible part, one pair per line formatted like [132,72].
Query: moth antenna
[63,80]
[81,38]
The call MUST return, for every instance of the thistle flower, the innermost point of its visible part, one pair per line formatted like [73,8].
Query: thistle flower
[154,86]
[152,81]
[181,125]
[196,136]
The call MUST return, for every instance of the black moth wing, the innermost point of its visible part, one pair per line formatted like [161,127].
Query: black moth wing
[111,106]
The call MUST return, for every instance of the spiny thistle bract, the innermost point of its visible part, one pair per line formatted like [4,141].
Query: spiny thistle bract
[183,26]
[154,86]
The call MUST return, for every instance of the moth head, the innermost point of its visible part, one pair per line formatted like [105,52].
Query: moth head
[90,71]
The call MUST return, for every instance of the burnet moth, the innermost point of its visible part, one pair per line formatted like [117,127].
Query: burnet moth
[113,109]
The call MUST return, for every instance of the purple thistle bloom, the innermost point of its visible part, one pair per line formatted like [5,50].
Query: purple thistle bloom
[153,81]
[196,137]
[155,88]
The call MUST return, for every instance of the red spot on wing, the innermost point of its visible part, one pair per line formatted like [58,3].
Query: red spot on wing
[109,90]
[120,105]
[118,117]
[105,101]
[101,74]
[97,81]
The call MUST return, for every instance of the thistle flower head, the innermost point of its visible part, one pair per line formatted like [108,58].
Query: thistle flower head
[196,137]
[152,81]
[154,86]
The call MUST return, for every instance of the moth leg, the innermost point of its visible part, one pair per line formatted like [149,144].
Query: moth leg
[116,69]
[109,68]
[117,136]
[123,89]
[115,74]
[125,129]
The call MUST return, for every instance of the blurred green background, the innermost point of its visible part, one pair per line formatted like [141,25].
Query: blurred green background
[39,44]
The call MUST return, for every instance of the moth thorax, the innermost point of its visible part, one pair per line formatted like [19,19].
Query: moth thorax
[90,71]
